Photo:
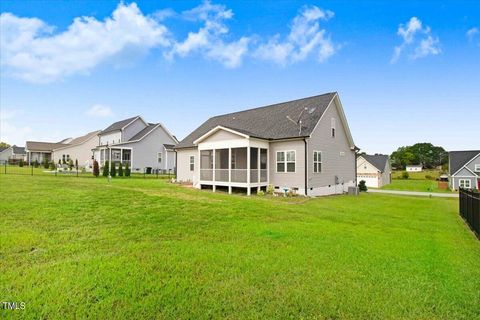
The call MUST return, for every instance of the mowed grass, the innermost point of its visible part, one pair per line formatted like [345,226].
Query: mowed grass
[144,249]
[417,181]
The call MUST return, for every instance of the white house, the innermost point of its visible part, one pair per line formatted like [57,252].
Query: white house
[374,170]
[414,168]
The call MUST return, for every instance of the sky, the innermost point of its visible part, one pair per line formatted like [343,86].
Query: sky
[405,71]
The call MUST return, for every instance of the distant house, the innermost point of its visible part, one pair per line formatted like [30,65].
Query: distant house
[414,168]
[77,149]
[12,154]
[41,151]
[464,169]
[139,144]
[374,170]
[303,145]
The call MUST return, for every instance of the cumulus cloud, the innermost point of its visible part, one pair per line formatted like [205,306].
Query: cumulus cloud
[304,39]
[418,41]
[209,40]
[99,111]
[31,50]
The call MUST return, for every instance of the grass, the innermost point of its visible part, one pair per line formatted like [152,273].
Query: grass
[143,249]
[417,181]
[422,175]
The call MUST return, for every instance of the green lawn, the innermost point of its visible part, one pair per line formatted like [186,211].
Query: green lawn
[144,249]
[414,185]
[434,173]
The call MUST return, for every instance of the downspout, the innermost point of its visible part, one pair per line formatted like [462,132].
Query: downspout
[176,163]
[356,149]
[306,167]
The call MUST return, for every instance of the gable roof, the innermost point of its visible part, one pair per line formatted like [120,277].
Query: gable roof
[18,150]
[270,122]
[457,159]
[142,133]
[43,146]
[79,140]
[118,125]
[379,161]
[4,148]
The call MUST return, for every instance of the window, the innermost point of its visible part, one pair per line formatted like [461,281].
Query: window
[465,183]
[285,161]
[317,161]
[477,167]
[159,157]
[333,127]
[192,163]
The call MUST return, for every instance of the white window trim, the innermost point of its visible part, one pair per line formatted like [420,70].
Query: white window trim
[159,156]
[192,163]
[317,162]
[464,183]
[477,167]
[285,161]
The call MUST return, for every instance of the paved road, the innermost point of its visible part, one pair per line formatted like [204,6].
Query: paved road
[416,193]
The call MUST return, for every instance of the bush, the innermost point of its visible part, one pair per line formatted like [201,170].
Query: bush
[270,189]
[105,169]
[260,192]
[36,164]
[46,164]
[70,164]
[405,175]
[127,170]
[120,170]
[96,169]
[291,193]
[52,166]
[20,163]
[59,162]
[63,161]
[76,163]
[362,185]
[429,177]
[113,170]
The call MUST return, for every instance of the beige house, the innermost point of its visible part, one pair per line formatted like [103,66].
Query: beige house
[374,169]
[302,145]
[77,149]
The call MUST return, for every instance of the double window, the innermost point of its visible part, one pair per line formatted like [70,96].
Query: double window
[286,161]
[465,183]
[317,161]
[192,163]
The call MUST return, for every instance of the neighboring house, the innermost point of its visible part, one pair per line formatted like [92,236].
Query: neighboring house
[12,154]
[77,149]
[41,151]
[374,169]
[464,169]
[303,145]
[414,168]
[140,144]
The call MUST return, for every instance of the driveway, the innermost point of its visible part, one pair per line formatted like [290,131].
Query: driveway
[416,193]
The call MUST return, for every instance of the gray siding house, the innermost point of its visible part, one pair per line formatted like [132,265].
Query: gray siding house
[374,169]
[139,144]
[13,154]
[464,169]
[303,145]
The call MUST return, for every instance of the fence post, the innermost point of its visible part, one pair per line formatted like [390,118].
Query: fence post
[77,171]
[32,169]
[5,167]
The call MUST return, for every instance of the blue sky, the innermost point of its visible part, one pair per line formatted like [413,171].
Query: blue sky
[406,71]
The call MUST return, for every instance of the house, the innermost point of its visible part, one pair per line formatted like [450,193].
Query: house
[303,145]
[414,168]
[41,151]
[79,149]
[12,154]
[139,144]
[464,169]
[374,169]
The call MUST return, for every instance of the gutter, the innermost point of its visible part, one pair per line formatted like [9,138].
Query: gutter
[306,167]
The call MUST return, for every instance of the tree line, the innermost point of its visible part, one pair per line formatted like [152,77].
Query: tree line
[426,154]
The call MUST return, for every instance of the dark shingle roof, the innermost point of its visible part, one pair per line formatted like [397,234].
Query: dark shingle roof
[459,158]
[269,122]
[168,146]
[3,148]
[378,160]
[144,132]
[118,125]
[82,139]
[18,150]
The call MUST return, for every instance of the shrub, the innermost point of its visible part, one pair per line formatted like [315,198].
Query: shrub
[70,164]
[113,170]
[405,175]
[362,185]
[63,161]
[270,189]
[52,166]
[20,163]
[260,192]
[429,177]
[96,169]
[76,163]
[36,164]
[120,170]
[46,164]
[291,193]
[127,170]
[59,161]
[105,169]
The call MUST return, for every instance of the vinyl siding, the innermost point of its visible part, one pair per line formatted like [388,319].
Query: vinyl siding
[132,129]
[456,182]
[183,169]
[288,179]
[471,165]
[83,152]
[333,164]
[109,138]
[6,154]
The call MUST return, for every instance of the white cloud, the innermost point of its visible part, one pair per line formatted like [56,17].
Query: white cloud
[99,111]
[10,130]
[209,39]
[305,38]
[472,34]
[417,41]
[32,51]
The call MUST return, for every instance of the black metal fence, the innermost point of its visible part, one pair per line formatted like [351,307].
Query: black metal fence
[470,209]
[66,171]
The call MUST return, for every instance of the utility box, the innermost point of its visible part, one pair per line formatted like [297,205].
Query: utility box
[353,191]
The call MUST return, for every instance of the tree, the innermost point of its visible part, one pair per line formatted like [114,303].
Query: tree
[127,170]
[46,164]
[120,170]
[105,169]
[426,154]
[96,169]
[76,163]
[4,145]
[362,186]
[20,163]
[52,166]
[59,162]
[113,171]
[35,163]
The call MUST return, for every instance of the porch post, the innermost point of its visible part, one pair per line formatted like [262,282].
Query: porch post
[213,173]
[249,191]
[258,164]
[121,156]
[229,170]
